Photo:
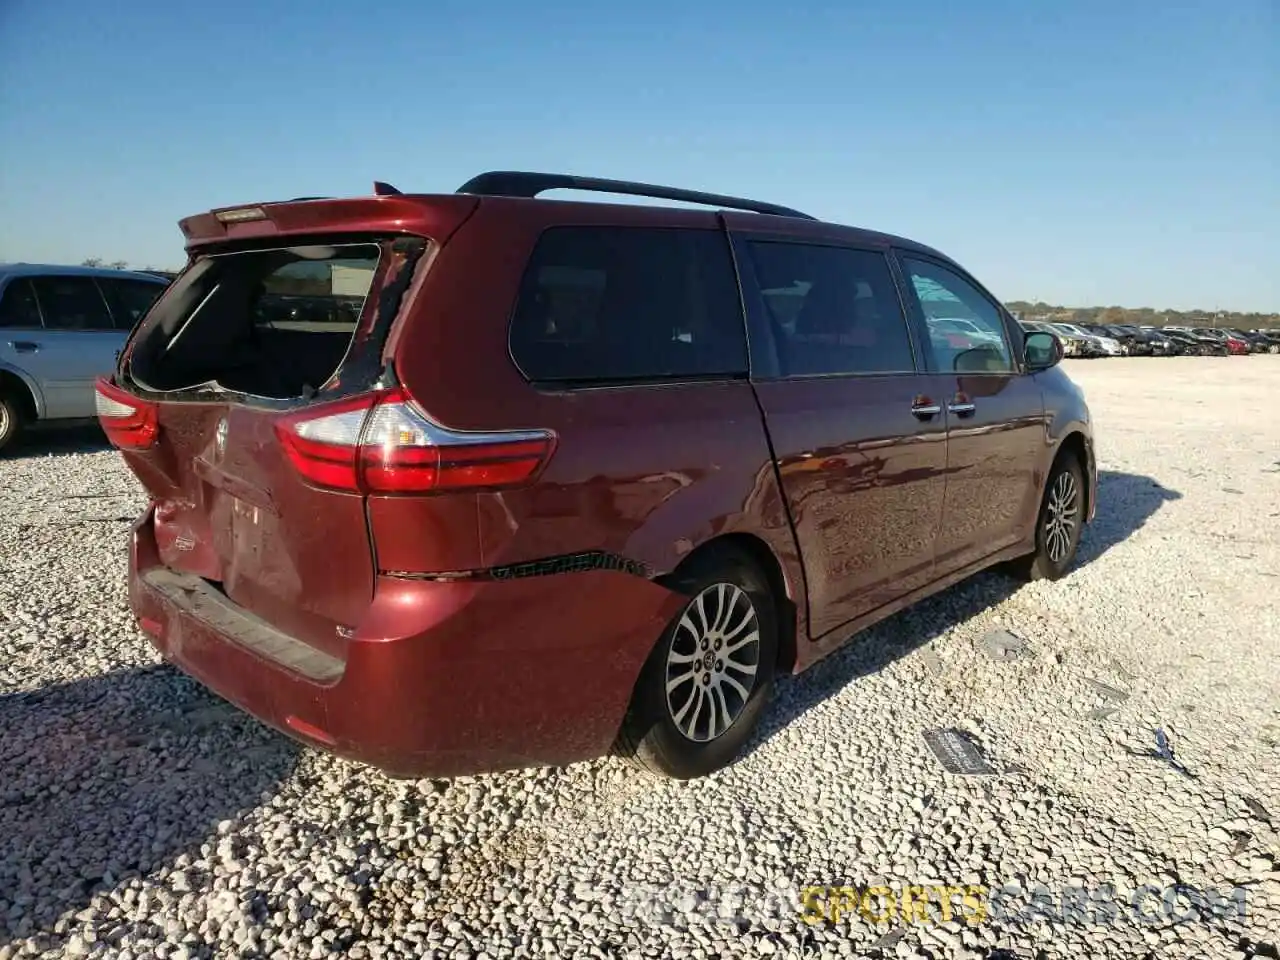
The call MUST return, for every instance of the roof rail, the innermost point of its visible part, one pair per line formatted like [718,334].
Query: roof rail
[516,183]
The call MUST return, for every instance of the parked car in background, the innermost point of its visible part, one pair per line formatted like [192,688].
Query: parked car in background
[1072,346]
[1235,345]
[1257,344]
[1239,346]
[970,332]
[1131,344]
[577,475]
[1156,343]
[1086,344]
[1268,340]
[60,329]
[1193,343]
[1108,345]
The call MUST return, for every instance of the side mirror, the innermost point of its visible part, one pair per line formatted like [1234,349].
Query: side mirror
[1042,351]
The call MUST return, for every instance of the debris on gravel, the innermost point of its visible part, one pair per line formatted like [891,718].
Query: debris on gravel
[140,816]
[1003,645]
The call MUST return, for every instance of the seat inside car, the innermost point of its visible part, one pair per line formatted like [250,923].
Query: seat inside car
[827,336]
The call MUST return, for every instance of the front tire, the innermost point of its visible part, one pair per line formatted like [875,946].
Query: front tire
[702,690]
[1059,523]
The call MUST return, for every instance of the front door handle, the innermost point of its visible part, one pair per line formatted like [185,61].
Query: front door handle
[925,408]
[962,409]
[24,346]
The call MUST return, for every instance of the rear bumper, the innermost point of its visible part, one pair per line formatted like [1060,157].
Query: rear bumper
[442,678]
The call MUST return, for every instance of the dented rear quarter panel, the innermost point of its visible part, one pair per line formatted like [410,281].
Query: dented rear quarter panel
[645,472]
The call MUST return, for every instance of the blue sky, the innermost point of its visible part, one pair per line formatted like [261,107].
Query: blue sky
[1078,152]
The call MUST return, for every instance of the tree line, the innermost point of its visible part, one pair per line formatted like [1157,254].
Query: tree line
[124,265]
[1144,316]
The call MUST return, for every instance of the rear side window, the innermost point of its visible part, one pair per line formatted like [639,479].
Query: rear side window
[71,303]
[600,304]
[129,299]
[18,308]
[834,310]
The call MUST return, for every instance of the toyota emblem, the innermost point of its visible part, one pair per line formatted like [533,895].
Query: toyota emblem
[220,438]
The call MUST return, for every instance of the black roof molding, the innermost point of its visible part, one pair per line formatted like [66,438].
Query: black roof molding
[517,183]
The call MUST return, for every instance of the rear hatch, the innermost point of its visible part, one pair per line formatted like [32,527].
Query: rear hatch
[241,398]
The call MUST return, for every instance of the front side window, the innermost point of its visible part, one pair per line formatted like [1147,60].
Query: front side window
[71,303]
[618,304]
[966,330]
[833,310]
[18,308]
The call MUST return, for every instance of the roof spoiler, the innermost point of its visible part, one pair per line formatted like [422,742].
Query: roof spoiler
[515,183]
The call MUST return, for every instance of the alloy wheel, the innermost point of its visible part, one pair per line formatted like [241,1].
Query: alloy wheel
[1060,517]
[712,662]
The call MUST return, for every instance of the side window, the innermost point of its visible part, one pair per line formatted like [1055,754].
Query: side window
[129,299]
[629,303]
[966,332]
[833,309]
[71,303]
[18,307]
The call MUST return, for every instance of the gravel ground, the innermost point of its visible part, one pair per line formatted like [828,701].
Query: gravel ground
[140,817]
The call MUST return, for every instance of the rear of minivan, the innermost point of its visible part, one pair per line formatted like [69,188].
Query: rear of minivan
[400,508]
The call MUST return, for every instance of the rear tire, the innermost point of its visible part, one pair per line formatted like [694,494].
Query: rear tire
[710,675]
[11,420]
[1059,523]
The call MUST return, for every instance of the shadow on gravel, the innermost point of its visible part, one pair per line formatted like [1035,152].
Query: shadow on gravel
[111,777]
[58,441]
[1125,502]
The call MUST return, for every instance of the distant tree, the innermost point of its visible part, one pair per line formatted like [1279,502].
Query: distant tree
[119,264]
[91,262]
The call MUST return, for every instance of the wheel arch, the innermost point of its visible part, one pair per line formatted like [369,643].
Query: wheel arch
[759,552]
[1075,443]
[15,384]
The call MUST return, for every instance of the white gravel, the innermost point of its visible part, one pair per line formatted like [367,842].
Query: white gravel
[139,817]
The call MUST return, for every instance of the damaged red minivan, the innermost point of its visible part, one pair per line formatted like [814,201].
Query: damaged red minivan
[457,482]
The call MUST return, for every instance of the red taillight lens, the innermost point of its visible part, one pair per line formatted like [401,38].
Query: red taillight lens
[322,443]
[382,444]
[129,423]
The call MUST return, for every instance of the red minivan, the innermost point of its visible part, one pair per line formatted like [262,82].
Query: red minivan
[448,483]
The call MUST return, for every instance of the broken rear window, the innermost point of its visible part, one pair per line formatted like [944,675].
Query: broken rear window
[272,323]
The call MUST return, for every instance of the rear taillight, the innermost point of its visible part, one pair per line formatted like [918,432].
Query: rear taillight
[129,423]
[382,444]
